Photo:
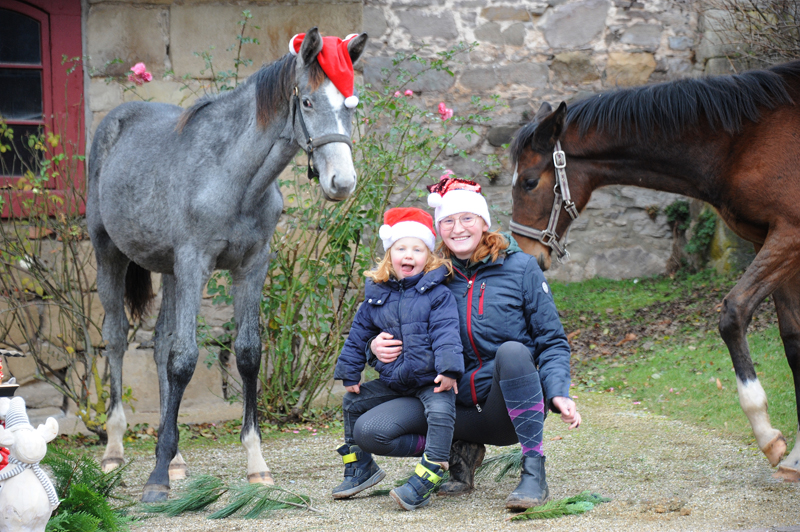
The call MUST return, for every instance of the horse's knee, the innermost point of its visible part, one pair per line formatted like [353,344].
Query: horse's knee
[732,322]
[248,357]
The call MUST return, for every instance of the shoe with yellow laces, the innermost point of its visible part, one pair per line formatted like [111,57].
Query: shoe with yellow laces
[360,472]
[418,491]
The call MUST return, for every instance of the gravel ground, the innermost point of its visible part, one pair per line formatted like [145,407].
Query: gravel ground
[661,475]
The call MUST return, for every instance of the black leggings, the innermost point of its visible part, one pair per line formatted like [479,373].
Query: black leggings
[376,430]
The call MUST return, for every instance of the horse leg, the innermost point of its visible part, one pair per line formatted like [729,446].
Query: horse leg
[774,264]
[191,274]
[787,303]
[111,268]
[165,327]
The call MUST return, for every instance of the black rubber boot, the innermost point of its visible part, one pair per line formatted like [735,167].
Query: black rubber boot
[465,458]
[532,489]
[360,472]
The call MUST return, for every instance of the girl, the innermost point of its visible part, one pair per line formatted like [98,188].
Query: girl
[405,300]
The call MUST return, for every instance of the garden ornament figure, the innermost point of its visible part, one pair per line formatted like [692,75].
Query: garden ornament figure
[184,192]
[27,497]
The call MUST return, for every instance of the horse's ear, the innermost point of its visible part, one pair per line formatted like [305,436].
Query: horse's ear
[312,45]
[543,111]
[6,438]
[49,430]
[549,128]
[356,47]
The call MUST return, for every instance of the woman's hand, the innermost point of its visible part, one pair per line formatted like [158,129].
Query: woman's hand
[569,411]
[356,388]
[445,383]
[385,348]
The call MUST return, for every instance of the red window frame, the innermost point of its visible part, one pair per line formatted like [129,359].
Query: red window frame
[62,90]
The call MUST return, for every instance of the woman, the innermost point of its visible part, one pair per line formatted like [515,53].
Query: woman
[516,355]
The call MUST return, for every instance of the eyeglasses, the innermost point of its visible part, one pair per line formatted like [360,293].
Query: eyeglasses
[467,220]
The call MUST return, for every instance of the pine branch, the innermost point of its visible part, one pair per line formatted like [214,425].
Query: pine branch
[503,464]
[197,495]
[261,500]
[581,503]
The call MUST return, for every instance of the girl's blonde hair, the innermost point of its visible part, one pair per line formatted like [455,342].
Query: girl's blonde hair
[492,243]
[383,271]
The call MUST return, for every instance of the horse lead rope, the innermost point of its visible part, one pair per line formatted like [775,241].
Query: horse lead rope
[19,467]
[313,143]
[548,237]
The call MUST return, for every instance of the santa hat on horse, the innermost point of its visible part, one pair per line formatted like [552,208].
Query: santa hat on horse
[335,62]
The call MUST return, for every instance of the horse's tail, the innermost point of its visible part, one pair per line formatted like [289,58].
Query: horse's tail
[138,290]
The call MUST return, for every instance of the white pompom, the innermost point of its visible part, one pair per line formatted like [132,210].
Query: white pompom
[291,44]
[385,232]
[435,200]
[350,36]
[351,101]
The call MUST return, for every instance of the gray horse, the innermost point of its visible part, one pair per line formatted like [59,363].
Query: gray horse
[186,192]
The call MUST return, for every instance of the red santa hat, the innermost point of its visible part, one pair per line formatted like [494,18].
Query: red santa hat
[402,222]
[452,195]
[335,62]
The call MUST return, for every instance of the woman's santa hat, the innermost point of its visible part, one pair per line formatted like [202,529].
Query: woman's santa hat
[402,222]
[335,62]
[452,195]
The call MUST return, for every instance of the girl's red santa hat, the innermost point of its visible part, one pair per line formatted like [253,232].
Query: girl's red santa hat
[335,62]
[452,195]
[402,222]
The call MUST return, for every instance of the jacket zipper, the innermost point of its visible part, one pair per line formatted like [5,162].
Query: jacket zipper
[468,294]
[480,299]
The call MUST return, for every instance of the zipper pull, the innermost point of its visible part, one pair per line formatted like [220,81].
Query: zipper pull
[479,408]
[483,287]
[469,285]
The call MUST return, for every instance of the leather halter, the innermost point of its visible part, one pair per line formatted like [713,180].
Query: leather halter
[312,143]
[548,237]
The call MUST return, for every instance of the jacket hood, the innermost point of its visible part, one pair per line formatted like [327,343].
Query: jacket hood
[422,282]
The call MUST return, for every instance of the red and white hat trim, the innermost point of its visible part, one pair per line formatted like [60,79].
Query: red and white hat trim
[452,195]
[334,58]
[403,222]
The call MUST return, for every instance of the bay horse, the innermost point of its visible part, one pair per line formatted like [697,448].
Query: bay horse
[731,141]
[186,192]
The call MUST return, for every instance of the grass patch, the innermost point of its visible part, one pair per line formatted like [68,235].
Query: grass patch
[655,342]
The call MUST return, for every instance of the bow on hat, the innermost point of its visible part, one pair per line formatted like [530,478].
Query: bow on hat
[334,58]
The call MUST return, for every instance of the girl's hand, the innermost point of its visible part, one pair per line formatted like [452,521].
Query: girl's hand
[385,348]
[445,383]
[356,388]
[569,411]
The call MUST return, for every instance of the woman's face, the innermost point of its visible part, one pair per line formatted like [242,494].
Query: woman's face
[459,238]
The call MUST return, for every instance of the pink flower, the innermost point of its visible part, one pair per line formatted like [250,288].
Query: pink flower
[140,74]
[409,93]
[447,173]
[397,94]
[445,113]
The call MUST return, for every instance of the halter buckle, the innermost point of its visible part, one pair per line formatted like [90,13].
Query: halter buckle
[559,159]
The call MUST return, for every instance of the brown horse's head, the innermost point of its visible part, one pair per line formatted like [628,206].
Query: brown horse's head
[532,189]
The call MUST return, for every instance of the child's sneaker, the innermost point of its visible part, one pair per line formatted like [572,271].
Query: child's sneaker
[360,472]
[418,491]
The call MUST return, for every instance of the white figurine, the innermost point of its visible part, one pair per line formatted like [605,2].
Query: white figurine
[27,497]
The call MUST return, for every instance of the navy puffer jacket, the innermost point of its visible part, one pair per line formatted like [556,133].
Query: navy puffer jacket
[508,300]
[421,312]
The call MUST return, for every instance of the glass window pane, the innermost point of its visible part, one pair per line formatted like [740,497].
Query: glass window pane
[18,157]
[20,94]
[20,40]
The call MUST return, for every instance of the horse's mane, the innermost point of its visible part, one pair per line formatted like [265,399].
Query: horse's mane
[274,85]
[665,109]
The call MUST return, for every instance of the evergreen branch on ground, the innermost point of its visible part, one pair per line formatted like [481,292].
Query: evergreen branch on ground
[198,495]
[581,503]
[502,465]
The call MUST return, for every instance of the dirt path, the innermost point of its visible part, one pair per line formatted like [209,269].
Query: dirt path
[661,475]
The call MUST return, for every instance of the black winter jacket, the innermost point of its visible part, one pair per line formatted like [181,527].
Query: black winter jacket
[508,300]
[421,312]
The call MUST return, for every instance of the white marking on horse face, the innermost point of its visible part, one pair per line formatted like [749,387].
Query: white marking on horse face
[115,428]
[336,101]
[753,400]
[514,177]
[252,446]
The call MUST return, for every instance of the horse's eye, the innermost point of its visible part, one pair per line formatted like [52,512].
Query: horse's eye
[307,103]
[530,184]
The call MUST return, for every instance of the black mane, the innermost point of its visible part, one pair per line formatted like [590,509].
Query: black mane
[668,108]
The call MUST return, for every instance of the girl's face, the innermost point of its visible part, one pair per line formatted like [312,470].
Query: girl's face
[409,256]
[462,233]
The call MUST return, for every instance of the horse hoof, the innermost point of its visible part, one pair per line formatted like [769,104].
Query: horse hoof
[110,464]
[178,471]
[775,449]
[155,493]
[263,477]
[787,474]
